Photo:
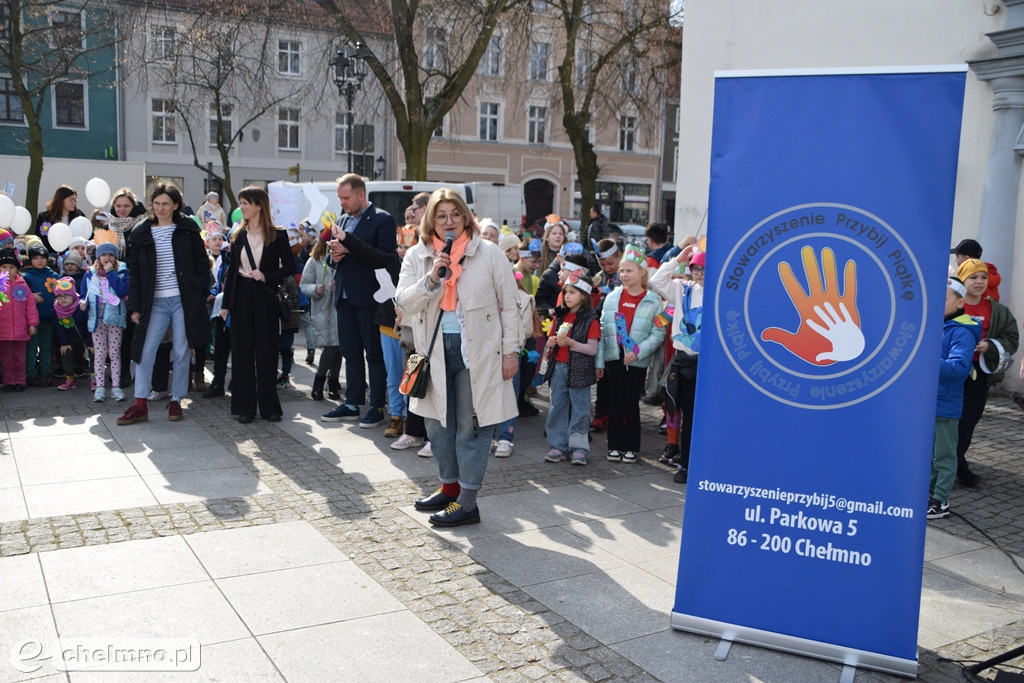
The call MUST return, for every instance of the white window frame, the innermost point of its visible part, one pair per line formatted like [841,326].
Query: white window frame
[536,124]
[491,64]
[23,122]
[627,133]
[289,125]
[162,37]
[584,66]
[538,63]
[167,115]
[433,55]
[496,117]
[293,57]
[630,74]
[225,118]
[341,127]
[68,10]
[85,104]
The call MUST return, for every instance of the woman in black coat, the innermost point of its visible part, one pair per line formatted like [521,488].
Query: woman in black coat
[261,260]
[170,275]
[63,208]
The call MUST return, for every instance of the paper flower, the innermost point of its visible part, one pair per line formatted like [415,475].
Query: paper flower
[44,229]
[51,284]
[66,323]
[20,291]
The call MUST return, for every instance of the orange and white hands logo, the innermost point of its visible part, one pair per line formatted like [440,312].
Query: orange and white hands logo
[829,328]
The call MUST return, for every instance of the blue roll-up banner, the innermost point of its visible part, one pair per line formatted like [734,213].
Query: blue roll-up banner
[829,222]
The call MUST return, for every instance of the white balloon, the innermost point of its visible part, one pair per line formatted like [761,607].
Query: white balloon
[59,236]
[22,220]
[6,211]
[81,227]
[97,192]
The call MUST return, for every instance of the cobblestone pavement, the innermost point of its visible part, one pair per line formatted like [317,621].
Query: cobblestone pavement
[507,634]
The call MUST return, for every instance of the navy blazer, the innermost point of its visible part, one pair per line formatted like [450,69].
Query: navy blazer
[355,276]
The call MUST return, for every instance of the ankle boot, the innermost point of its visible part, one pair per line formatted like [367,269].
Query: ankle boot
[317,394]
[334,389]
[215,389]
[200,380]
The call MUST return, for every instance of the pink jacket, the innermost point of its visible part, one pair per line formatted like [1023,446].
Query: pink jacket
[16,316]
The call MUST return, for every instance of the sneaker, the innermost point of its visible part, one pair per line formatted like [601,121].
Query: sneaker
[614,456]
[680,476]
[117,393]
[599,423]
[68,384]
[342,412]
[407,441]
[132,415]
[967,478]
[309,357]
[455,515]
[373,417]
[174,411]
[503,449]
[283,382]
[671,451]
[629,457]
[395,428]
[937,510]
[555,455]
[425,452]
[158,395]
[578,458]
[100,395]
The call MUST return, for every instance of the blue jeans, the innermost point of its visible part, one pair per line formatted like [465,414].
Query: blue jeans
[568,422]
[166,312]
[506,428]
[393,362]
[460,454]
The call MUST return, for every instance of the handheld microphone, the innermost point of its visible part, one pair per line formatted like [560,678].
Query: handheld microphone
[449,237]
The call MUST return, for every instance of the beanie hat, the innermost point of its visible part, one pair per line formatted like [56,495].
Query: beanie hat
[37,250]
[969,268]
[77,241]
[506,242]
[698,259]
[74,258]
[106,248]
[9,257]
[6,239]
[32,240]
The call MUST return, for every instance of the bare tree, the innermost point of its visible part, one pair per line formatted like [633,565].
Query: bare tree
[44,43]
[438,44]
[617,57]
[217,62]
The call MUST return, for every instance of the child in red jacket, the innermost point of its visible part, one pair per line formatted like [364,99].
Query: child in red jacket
[18,321]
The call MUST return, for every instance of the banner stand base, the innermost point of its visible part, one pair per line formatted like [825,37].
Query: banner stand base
[849,657]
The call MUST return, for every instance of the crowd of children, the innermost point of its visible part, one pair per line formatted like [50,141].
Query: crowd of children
[625,318]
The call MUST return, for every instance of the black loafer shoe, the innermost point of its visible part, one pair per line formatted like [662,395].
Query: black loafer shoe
[455,515]
[273,418]
[245,419]
[680,476]
[438,500]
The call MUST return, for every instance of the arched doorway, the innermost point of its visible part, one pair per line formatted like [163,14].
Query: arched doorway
[539,196]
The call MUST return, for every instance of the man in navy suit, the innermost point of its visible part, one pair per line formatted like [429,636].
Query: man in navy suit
[354,286]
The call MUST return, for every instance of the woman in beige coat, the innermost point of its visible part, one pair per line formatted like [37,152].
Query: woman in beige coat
[473,293]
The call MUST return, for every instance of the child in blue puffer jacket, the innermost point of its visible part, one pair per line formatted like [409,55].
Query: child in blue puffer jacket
[104,289]
[960,334]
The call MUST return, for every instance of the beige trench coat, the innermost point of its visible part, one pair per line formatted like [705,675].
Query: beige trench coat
[493,327]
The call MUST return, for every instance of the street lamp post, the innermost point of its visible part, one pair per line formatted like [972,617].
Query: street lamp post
[349,72]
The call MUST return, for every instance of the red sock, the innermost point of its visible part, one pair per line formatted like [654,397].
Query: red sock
[673,436]
[140,403]
[451,490]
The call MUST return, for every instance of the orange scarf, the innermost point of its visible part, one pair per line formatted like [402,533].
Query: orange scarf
[458,250]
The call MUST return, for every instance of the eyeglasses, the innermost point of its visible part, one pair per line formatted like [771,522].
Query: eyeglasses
[696,269]
[451,218]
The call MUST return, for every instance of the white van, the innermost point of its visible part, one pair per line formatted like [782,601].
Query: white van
[289,204]
[501,202]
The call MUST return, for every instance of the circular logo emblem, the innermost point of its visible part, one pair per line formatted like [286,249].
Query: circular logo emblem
[820,306]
